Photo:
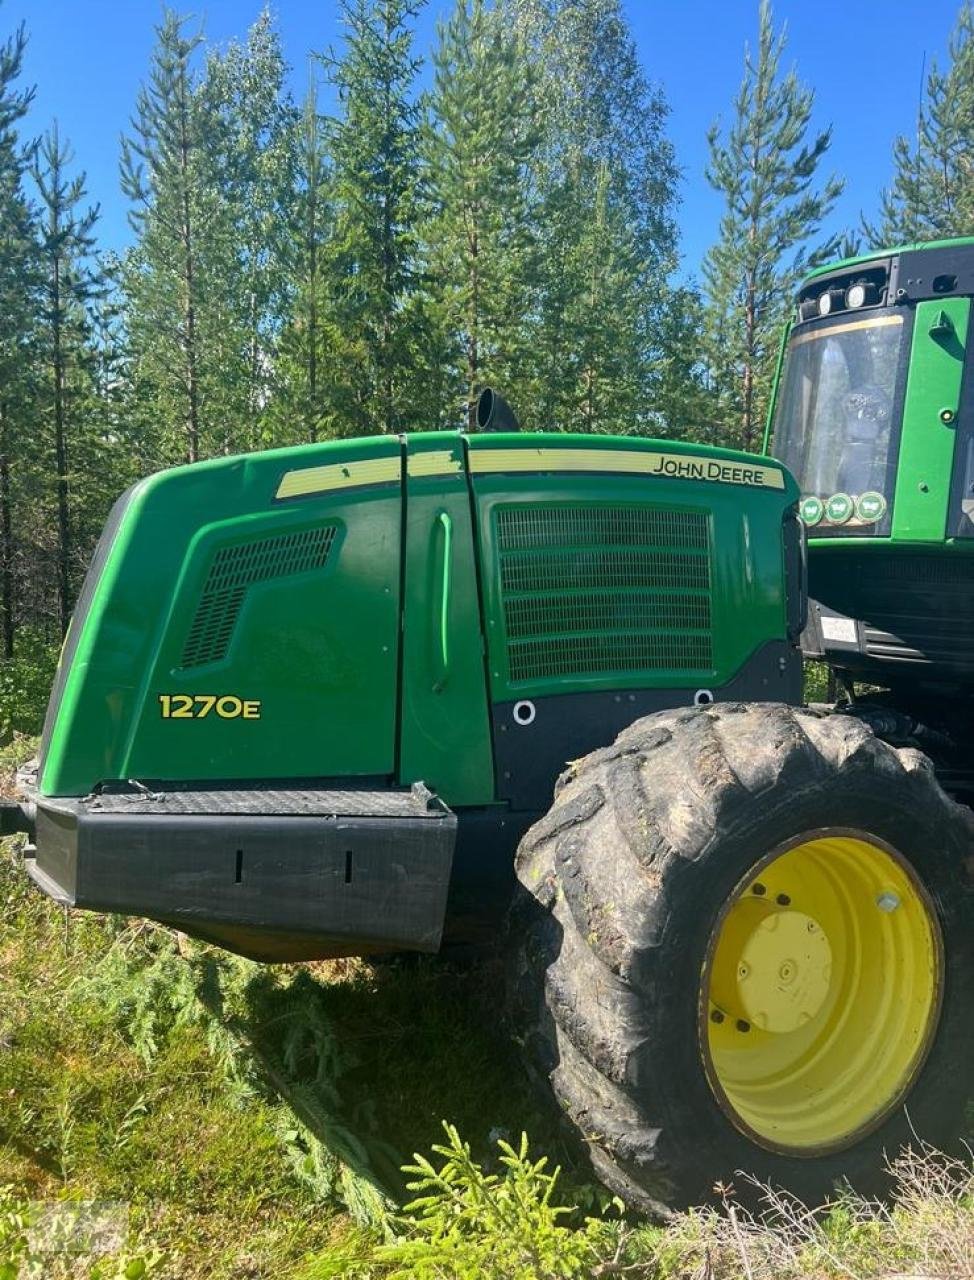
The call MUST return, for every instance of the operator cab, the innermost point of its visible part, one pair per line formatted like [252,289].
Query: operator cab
[874,415]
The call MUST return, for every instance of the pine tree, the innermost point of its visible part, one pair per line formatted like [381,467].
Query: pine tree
[766,169]
[72,282]
[932,194]
[18,282]
[480,242]
[162,173]
[375,149]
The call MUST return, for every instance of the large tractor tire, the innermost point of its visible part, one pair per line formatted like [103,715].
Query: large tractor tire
[743,944]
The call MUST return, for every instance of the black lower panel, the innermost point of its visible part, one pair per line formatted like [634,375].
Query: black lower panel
[915,611]
[339,875]
[483,882]
[533,741]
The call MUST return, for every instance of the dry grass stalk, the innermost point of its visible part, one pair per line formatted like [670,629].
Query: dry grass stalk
[925,1232]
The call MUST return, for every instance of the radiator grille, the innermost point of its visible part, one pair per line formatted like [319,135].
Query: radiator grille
[233,571]
[604,590]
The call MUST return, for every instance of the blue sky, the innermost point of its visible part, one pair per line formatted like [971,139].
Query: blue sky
[862,57]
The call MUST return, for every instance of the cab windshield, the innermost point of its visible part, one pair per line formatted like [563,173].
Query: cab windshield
[836,420]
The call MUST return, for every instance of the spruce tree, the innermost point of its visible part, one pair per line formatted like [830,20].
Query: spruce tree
[163,173]
[605,175]
[685,405]
[766,167]
[72,283]
[112,452]
[375,150]
[18,284]
[248,131]
[481,246]
[305,368]
[932,193]
[607,368]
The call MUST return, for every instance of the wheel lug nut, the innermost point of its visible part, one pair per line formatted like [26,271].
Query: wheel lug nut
[759,889]
[783,900]
[742,1025]
[716,1016]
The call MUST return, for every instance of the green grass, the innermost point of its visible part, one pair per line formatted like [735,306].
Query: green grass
[91,1110]
[249,1116]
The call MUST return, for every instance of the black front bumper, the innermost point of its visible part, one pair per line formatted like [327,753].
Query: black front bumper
[273,874]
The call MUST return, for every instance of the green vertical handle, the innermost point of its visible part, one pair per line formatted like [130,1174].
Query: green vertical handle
[444,525]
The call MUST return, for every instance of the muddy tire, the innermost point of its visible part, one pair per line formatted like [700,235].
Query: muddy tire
[625,885]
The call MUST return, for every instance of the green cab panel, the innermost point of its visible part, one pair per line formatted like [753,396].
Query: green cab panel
[621,563]
[930,414]
[445,729]
[242,624]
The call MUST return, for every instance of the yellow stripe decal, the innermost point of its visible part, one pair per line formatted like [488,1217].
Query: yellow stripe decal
[438,462]
[681,466]
[877,322]
[338,475]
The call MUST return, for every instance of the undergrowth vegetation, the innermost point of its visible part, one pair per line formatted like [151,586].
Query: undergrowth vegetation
[246,1117]
[25,683]
[252,1122]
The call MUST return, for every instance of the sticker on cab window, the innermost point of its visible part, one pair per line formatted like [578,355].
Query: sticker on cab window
[811,509]
[870,507]
[839,508]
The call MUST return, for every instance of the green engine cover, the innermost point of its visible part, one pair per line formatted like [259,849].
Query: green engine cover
[360,609]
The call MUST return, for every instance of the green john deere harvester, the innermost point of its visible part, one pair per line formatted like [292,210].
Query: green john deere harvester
[312,701]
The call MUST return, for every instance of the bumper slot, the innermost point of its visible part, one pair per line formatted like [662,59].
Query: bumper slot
[271,874]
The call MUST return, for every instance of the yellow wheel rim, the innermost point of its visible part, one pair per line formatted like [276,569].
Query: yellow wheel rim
[821,992]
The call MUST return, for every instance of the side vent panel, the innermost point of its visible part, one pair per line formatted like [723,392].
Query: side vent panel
[233,571]
[604,591]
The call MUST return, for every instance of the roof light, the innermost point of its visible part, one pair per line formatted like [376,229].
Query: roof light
[807,309]
[860,294]
[829,301]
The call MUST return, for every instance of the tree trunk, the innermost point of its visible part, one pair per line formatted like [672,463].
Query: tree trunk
[60,457]
[473,318]
[312,416]
[747,426]
[254,397]
[6,542]
[388,263]
[189,308]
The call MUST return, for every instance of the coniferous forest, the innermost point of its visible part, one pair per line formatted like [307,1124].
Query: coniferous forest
[507,216]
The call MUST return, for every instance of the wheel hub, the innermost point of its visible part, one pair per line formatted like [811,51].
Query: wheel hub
[784,971]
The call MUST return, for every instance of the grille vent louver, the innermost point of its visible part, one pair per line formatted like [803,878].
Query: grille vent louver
[604,590]
[233,571]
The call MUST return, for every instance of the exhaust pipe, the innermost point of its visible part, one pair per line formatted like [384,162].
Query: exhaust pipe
[494,413]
